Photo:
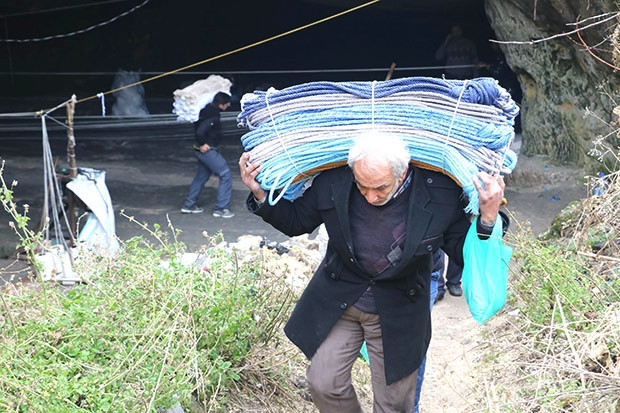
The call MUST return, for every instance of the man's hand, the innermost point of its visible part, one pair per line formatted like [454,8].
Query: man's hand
[491,196]
[204,148]
[249,171]
[480,64]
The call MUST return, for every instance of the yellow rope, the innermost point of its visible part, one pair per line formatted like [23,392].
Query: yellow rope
[232,51]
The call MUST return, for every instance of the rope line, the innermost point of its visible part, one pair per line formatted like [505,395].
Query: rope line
[74,33]
[249,46]
[374,83]
[456,108]
[48,111]
[52,194]
[56,9]
[240,49]
[280,141]
[17,114]
[452,126]
[101,96]
[247,72]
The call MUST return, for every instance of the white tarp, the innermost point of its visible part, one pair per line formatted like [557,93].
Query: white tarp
[99,231]
[130,100]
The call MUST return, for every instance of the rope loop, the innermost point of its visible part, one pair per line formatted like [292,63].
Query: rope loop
[456,108]
[276,186]
[280,140]
[101,97]
[372,97]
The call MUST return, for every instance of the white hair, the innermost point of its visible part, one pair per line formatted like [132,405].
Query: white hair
[381,148]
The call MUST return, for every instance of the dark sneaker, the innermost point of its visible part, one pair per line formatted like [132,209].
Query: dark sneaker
[223,213]
[191,210]
[440,296]
[455,290]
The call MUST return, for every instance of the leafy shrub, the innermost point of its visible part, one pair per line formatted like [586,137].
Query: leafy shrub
[145,332]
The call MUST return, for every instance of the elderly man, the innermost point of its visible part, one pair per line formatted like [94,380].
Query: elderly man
[384,219]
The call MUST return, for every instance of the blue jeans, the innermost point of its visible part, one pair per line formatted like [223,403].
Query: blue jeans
[438,266]
[210,163]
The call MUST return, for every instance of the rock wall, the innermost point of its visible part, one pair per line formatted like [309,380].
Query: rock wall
[568,96]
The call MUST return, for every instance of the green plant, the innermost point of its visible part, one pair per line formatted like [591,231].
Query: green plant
[145,332]
[562,352]
[29,239]
[139,336]
[545,275]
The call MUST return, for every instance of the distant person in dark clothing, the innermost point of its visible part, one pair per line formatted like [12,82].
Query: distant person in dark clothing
[208,133]
[459,55]
[452,281]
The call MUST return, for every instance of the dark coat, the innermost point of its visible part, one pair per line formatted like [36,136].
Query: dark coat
[436,219]
[208,128]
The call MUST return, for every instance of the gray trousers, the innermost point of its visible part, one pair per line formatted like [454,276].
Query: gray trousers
[329,373]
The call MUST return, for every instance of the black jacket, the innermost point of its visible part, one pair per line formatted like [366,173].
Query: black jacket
[208,128]
[436,219]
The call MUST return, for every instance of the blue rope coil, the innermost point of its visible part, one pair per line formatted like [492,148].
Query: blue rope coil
[459,127]
[473,132]
[483,90]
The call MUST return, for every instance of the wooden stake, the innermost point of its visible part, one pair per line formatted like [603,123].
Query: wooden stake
[71,138]
[71,198]
[392,67]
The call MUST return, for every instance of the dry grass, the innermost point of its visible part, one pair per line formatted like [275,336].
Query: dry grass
[559,349]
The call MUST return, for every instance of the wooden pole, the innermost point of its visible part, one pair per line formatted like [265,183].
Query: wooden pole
[71,199]
[392,67]
[71,138]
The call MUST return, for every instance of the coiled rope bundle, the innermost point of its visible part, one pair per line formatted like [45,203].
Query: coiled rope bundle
[189,101]
[454,126]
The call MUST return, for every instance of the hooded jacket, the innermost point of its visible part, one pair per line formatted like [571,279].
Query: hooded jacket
[208,128]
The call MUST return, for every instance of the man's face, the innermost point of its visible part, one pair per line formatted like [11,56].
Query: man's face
[457,32]
[376,182]
[223,106]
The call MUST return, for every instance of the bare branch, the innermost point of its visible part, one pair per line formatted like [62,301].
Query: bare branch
[594,55]
[612,16]
[598,16]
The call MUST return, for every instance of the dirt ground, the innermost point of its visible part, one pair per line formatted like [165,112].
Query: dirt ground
[149,179]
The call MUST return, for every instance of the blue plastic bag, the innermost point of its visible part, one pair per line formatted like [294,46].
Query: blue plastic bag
[485,273]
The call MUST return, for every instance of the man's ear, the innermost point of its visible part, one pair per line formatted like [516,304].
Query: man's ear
[402,176]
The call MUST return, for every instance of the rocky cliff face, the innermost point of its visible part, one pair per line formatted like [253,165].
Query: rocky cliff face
[568,95]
